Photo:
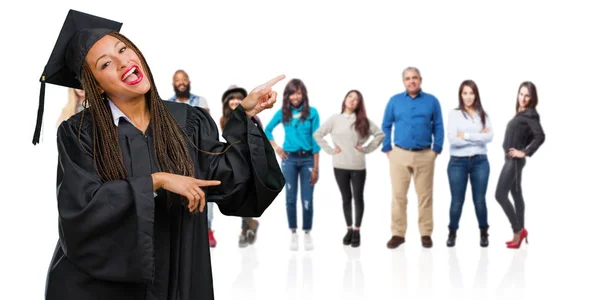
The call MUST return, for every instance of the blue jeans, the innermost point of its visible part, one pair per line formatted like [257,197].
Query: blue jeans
[298,167]
[460,170]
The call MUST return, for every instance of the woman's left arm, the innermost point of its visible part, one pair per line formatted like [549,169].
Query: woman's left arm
[246,164]
[378,136]
[315,123]
[538,136]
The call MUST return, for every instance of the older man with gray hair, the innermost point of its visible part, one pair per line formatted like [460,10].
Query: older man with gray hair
[418,138]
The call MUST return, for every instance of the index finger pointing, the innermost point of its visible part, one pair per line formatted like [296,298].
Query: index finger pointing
[200,182]
[275,80]
[265,88]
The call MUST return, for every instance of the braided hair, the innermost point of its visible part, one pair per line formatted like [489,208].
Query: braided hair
[169,137]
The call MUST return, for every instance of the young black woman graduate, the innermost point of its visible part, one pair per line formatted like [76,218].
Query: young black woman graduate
[135,172]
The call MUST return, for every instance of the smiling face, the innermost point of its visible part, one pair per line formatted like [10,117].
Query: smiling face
[117,69]
[296,98]
[524,97]
[181,82]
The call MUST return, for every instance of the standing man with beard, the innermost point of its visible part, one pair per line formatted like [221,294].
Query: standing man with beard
[181,85]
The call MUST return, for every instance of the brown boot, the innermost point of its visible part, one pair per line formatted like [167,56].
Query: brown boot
[426,241]
[395,241]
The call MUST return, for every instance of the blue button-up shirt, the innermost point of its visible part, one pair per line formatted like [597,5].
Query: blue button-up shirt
[417,122]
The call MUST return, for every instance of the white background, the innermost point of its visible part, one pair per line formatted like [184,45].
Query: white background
[335,47]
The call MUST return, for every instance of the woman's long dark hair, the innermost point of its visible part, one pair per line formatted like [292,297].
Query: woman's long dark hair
[476,103]
[290,88]
[169,138]
[533,96]
[361,125]
[227,110]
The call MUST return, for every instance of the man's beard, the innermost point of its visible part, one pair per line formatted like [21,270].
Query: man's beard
[182,94]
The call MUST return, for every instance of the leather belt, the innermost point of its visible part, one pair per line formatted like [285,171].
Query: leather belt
[414,149]
[301,153]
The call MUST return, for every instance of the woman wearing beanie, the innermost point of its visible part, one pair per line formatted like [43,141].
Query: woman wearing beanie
[232,97]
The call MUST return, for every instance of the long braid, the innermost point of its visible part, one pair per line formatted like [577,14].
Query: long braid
[106,151]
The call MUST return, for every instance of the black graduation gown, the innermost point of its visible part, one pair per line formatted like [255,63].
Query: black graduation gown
[117,240]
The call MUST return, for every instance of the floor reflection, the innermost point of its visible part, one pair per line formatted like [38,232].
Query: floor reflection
[354,279]
[481,275]
[243,287]
[306,290]
[425,271]
[457,286]
[399,268]
[513,283]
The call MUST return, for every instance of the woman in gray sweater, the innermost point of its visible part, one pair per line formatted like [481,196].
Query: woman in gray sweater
[349,131]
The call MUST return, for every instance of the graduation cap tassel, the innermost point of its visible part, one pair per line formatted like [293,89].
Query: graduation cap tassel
[38,125]
[79,33]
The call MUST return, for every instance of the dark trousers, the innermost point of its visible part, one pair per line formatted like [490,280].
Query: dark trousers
[510,181]
[461,170]
[352,183]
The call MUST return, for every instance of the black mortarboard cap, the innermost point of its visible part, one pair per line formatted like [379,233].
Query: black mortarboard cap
[79,33]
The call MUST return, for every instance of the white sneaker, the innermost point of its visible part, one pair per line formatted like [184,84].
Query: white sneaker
[294,243]
[308,242]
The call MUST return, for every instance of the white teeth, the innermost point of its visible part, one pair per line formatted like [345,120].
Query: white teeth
[129,73]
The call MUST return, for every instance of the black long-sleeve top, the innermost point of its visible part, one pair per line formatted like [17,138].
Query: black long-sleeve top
[524,132]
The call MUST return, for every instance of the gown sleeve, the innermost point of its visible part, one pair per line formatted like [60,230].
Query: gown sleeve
[248,169]
[105,228]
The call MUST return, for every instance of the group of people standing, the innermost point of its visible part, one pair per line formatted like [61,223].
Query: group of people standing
[412,136]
